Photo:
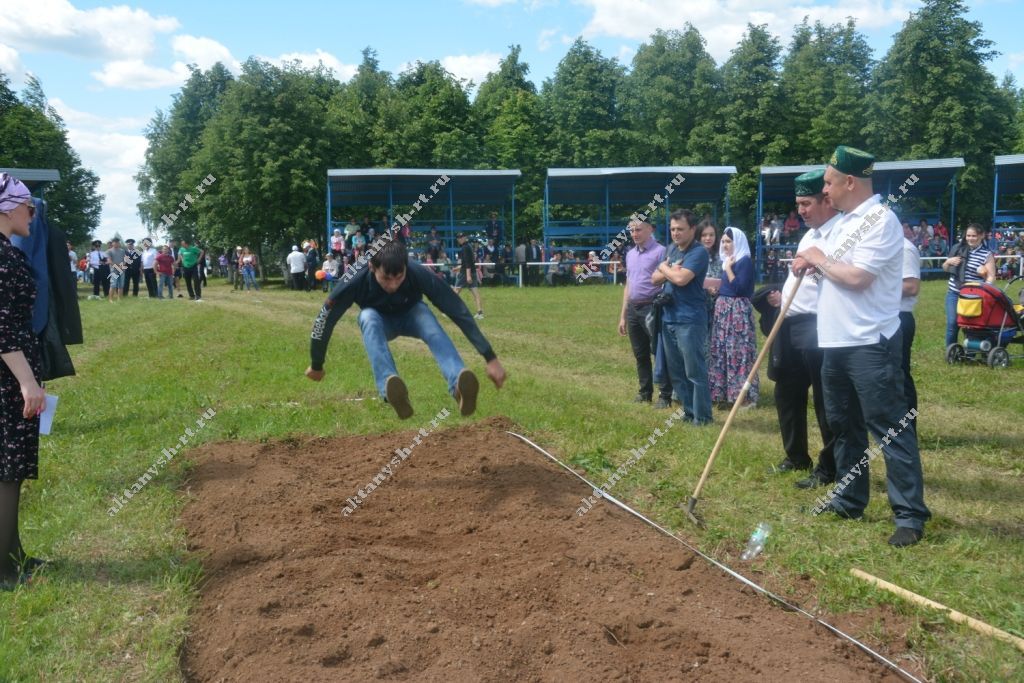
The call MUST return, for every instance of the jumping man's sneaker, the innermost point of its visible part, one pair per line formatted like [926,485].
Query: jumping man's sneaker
[467,386]
[397,395]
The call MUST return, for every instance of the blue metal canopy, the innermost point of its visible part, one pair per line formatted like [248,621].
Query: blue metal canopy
[1009,181]
[934,178]
[34,178]
[627,190]
[396,191]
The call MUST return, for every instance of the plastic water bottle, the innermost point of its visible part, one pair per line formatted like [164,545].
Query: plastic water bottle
[757,540]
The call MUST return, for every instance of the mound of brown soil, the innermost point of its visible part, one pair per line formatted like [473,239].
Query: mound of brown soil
[467,563]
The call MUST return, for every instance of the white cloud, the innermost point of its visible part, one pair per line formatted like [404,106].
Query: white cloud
[116,33]
[10,64]
[1015,59]
[113,149]
[472,67]
[77,119]
[309,60]
[722,22]
[489,3]
[204,52]
[134,74]
[544,40]
[625,54]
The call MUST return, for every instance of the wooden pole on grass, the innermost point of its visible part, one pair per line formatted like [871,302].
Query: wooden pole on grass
[979,626]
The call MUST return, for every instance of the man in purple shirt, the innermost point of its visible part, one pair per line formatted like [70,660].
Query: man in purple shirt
[641,262]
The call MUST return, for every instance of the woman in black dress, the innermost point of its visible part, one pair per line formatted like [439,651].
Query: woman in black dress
[21,396]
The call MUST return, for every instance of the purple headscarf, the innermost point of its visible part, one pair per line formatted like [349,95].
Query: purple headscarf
[12,193]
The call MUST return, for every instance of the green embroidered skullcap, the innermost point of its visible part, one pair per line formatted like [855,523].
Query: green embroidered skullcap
[852,161]
[810,183]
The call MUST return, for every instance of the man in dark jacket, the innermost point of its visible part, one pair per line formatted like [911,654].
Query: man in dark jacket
[390,295]
[132,267]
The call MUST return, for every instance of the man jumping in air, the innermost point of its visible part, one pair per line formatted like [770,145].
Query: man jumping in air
[390,293]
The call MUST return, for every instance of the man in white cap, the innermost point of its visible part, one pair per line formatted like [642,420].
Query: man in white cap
[297,268]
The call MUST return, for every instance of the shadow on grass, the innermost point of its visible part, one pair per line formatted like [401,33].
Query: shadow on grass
[947,442]
[976,488]
[149,570]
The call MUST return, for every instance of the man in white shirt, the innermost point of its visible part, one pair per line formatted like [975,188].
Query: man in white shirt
[99,270]
[859,330]
[908,326]
[297,267]
[149,266]
[796,357]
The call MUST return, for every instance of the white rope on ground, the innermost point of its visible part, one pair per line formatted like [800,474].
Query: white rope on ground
[764,591]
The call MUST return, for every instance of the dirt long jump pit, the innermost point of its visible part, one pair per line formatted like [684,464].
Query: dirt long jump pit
[468,563]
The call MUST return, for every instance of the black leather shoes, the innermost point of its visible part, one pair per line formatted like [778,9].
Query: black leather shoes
[905,536]
[812,482]
[787,465]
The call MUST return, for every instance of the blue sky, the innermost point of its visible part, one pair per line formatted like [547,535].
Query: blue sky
[107,68]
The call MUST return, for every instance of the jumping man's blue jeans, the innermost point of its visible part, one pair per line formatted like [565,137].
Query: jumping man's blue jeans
[380,328]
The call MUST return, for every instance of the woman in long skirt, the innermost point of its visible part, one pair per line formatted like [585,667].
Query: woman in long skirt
[733,336]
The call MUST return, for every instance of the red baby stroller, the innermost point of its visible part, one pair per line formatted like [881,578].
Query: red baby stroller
[990,323]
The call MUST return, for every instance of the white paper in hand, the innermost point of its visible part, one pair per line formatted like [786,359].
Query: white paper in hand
[46,417]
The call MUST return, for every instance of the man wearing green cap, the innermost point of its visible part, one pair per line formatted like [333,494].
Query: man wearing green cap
[796,358]
[859,331]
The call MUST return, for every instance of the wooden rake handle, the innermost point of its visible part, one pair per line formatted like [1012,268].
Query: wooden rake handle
[746,387]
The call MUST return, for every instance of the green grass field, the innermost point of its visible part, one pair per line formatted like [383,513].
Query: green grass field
[115,607]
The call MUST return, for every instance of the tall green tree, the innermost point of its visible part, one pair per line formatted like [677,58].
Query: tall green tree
[426,122]
[509,79]
[33,135]
[580,109]
[173,140]
[745,130]
[673,85]
[932,96]
[354,111]
[267,150]
[508,110]
[823,84]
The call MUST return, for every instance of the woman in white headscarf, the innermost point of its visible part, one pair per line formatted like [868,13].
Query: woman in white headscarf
[733,335]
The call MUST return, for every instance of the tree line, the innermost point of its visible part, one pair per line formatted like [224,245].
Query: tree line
[270,134]
[33,135]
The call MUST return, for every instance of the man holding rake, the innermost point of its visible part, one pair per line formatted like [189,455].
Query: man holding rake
[859,330]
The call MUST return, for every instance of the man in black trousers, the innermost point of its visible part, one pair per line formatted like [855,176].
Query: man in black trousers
[132,268]
[796,358]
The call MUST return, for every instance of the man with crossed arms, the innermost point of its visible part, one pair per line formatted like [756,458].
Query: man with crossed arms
[859,330]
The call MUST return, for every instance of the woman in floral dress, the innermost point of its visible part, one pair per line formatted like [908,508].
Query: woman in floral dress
[21,396]
[733,337]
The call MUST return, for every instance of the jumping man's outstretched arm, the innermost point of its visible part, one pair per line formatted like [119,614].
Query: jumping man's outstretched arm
[339,301]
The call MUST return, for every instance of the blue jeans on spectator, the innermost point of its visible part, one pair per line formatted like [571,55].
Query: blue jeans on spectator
[249,275]
[863,387]
[167,280]
[380,328]
[951,329]
[688,368]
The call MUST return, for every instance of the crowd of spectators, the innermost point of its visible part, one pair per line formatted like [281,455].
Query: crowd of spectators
[115,269]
